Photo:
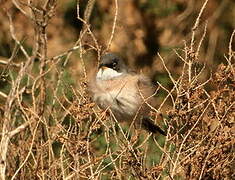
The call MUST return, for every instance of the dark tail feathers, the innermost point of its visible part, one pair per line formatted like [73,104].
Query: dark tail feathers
[149,125]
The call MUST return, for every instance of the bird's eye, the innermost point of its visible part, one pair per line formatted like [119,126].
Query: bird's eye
[114,65]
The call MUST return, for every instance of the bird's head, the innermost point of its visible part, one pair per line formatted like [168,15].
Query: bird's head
[111,66]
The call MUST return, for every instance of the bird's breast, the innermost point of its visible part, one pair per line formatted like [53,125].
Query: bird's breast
[121,96]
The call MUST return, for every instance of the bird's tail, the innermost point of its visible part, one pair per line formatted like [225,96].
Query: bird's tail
[149,125]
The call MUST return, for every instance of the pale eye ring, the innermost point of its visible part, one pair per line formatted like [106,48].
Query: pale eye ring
[114,65]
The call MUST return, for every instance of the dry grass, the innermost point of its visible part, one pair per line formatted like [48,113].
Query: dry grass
[51,129]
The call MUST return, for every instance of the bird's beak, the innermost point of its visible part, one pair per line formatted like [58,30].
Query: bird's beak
[100,66]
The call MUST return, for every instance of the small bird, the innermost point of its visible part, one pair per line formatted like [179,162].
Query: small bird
[126,94]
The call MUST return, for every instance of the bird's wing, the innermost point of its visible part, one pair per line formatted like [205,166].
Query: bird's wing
[146,88]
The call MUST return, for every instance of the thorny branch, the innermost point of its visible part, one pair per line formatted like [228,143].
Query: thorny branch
[53,130]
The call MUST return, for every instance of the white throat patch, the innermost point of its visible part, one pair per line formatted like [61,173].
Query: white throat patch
[107,73]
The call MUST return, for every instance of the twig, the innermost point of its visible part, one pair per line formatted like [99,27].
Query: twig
[114,26]
[196,24]
[200,42]
[184,139]
[30,150]
[3,94]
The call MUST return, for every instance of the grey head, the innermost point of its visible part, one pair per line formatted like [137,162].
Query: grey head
[113,61]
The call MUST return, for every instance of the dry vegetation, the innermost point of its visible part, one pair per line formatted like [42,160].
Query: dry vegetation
[51,129]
